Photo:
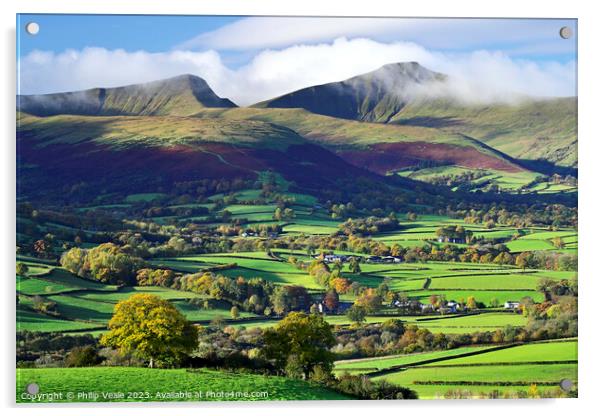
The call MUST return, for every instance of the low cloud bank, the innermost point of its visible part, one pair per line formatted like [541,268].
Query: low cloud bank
[475,77]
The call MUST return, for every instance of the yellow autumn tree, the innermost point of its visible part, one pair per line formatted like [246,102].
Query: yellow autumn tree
[471,303]
[151,328]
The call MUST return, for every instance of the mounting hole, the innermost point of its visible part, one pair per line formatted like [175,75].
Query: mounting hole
[566,384]
[32,388]
[32,28]
[566,32]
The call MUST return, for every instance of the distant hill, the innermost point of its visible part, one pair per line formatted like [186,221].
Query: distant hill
[531,128]
[144,153]
[378,147]
[181,96]
[145,136]
[376,96]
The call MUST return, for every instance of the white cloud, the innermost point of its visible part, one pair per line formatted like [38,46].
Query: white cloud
[479,75]
[41,72]
[453,34]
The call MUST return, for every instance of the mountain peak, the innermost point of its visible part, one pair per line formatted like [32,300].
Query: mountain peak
[181,95]
[374,96]
[413,69]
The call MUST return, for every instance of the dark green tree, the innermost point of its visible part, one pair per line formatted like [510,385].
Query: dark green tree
[300,341]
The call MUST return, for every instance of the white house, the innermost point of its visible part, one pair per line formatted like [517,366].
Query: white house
[453,306]
[511,304]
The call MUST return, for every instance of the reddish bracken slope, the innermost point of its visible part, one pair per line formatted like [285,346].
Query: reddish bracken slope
[385,157]
[140,168]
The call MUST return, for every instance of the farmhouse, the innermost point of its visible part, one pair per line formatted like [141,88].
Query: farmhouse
[374,259]
[453,306]
[511,304]
[443,239]
[391,259]
[332,258]
[427,307]
[407,304]
[341,308]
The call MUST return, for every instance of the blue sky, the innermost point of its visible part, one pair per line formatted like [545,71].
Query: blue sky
[250,58]
[151,33]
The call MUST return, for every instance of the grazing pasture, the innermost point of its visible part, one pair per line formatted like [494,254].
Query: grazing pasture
[367,365]
[512,369]
[543,351]
[57,280]
[28,320]
[212,385]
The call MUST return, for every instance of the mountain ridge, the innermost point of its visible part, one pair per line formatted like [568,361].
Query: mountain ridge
[374,96]
[181,95]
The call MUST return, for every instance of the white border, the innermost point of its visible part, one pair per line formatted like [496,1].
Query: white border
[590,147]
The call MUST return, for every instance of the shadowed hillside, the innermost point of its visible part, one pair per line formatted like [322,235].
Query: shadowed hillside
[144,153]
[375,96]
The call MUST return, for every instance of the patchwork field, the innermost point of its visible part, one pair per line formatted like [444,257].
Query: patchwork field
[82,305]
[526,181]
[507,370]
[85,306]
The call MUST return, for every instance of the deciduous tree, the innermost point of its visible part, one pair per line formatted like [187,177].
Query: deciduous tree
[300,339]
[152,329]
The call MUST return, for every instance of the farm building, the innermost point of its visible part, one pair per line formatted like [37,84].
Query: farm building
[332,258]
[453,306]
[443,239]
[341,309]
[391,259]
[511,304]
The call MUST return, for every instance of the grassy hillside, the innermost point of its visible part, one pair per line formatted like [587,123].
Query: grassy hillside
[119,132]
[148,385]
[375,146]
[181,95]
[532,129]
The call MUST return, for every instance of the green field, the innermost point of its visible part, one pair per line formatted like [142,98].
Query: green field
[487,282]
[28,320]
[366,365]
[527,373]
[473,323]
[514,368]
[93,309]
[56,280]
[147,197]
[135,383]
[545,351]
[447,324]
[507,181]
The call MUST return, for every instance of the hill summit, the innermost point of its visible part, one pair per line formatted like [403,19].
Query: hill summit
[182,95]
[375,96]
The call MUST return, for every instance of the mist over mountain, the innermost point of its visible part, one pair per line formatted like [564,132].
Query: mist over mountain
[376,96]
[407,93]
[182,95]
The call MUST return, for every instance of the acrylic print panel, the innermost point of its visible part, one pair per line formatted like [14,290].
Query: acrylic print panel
[292,208]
